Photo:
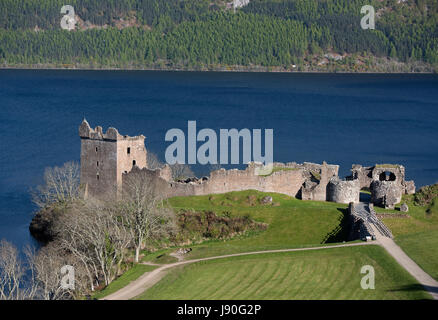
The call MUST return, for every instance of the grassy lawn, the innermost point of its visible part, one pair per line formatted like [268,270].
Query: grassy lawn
[422,247]
[159,257]
[421,218]
[417,235]
[292,222]
[321,274]
[276,169]
[132,274]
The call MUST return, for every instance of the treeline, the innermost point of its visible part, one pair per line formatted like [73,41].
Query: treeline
[26,14]
[227,39]
[192,33]
[408,30]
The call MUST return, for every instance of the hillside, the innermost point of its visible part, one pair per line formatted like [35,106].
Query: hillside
[327,274]
[416,231]
[302,35]
[318,274]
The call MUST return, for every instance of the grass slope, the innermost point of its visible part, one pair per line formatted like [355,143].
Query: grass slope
[417,235]
[132,274]
[321,274]
[422,247]
[291,222]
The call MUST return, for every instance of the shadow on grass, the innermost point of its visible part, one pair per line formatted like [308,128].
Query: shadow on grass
[416,287]
[340,233]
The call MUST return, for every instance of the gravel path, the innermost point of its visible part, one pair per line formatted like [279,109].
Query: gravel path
[430,284]
[148,279]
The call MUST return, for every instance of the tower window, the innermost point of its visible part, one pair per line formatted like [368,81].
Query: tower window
[129,150]
[97,149]
[133,162]
[97,176]
[97,163]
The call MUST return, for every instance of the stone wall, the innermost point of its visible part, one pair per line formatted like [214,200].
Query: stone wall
[105,157]
[109,158]
[386,182]
[343,191]
[318,176]
[363,174]
[98,160]
[288,182]
[386,193]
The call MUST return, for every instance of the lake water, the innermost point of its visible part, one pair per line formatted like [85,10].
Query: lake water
[342,119]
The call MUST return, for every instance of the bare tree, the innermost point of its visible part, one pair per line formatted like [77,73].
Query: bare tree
[46,268]
[94,232]
[181,171]
[61,185]
[37,275]
[11,272]
[153,161]
[70,239]
[15,284]
[144,211]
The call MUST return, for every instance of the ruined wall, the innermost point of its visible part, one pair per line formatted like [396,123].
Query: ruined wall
[105,156]
[363,174]
[287,182]
[98,160]
[109,158]
[409,187]
[343,191]
[317,179]
[221,181]
[386,182]
[386,193]
[130,152]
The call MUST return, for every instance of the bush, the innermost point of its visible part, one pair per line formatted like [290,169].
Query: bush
[196,226]
[426,195]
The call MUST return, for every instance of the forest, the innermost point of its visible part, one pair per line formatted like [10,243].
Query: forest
[197,33]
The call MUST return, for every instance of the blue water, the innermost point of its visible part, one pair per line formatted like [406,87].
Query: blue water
[342,119]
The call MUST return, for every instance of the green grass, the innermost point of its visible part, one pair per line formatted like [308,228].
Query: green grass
[132,274]
[421,218]
[159,257]
[291,222]
[422,247]
[320,274]
[276,169]
[417,235]
[316,175]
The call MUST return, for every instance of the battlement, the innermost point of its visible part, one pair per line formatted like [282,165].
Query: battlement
[106,156]
[112,134]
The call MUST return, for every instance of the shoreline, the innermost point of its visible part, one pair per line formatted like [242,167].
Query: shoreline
[215,70]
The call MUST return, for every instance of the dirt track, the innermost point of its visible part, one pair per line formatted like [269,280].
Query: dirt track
[148,279]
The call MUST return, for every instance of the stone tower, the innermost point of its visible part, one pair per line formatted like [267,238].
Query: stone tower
[105,157]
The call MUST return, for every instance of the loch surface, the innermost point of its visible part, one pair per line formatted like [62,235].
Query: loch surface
[340,118]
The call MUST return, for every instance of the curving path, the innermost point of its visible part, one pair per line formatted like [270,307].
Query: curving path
[429,283]
[383,237]
[148,279]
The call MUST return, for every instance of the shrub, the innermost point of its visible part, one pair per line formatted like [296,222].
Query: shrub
[426,195]
[196,226]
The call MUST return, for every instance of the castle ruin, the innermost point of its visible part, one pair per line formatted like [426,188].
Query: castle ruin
[108,159]
[105,157]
